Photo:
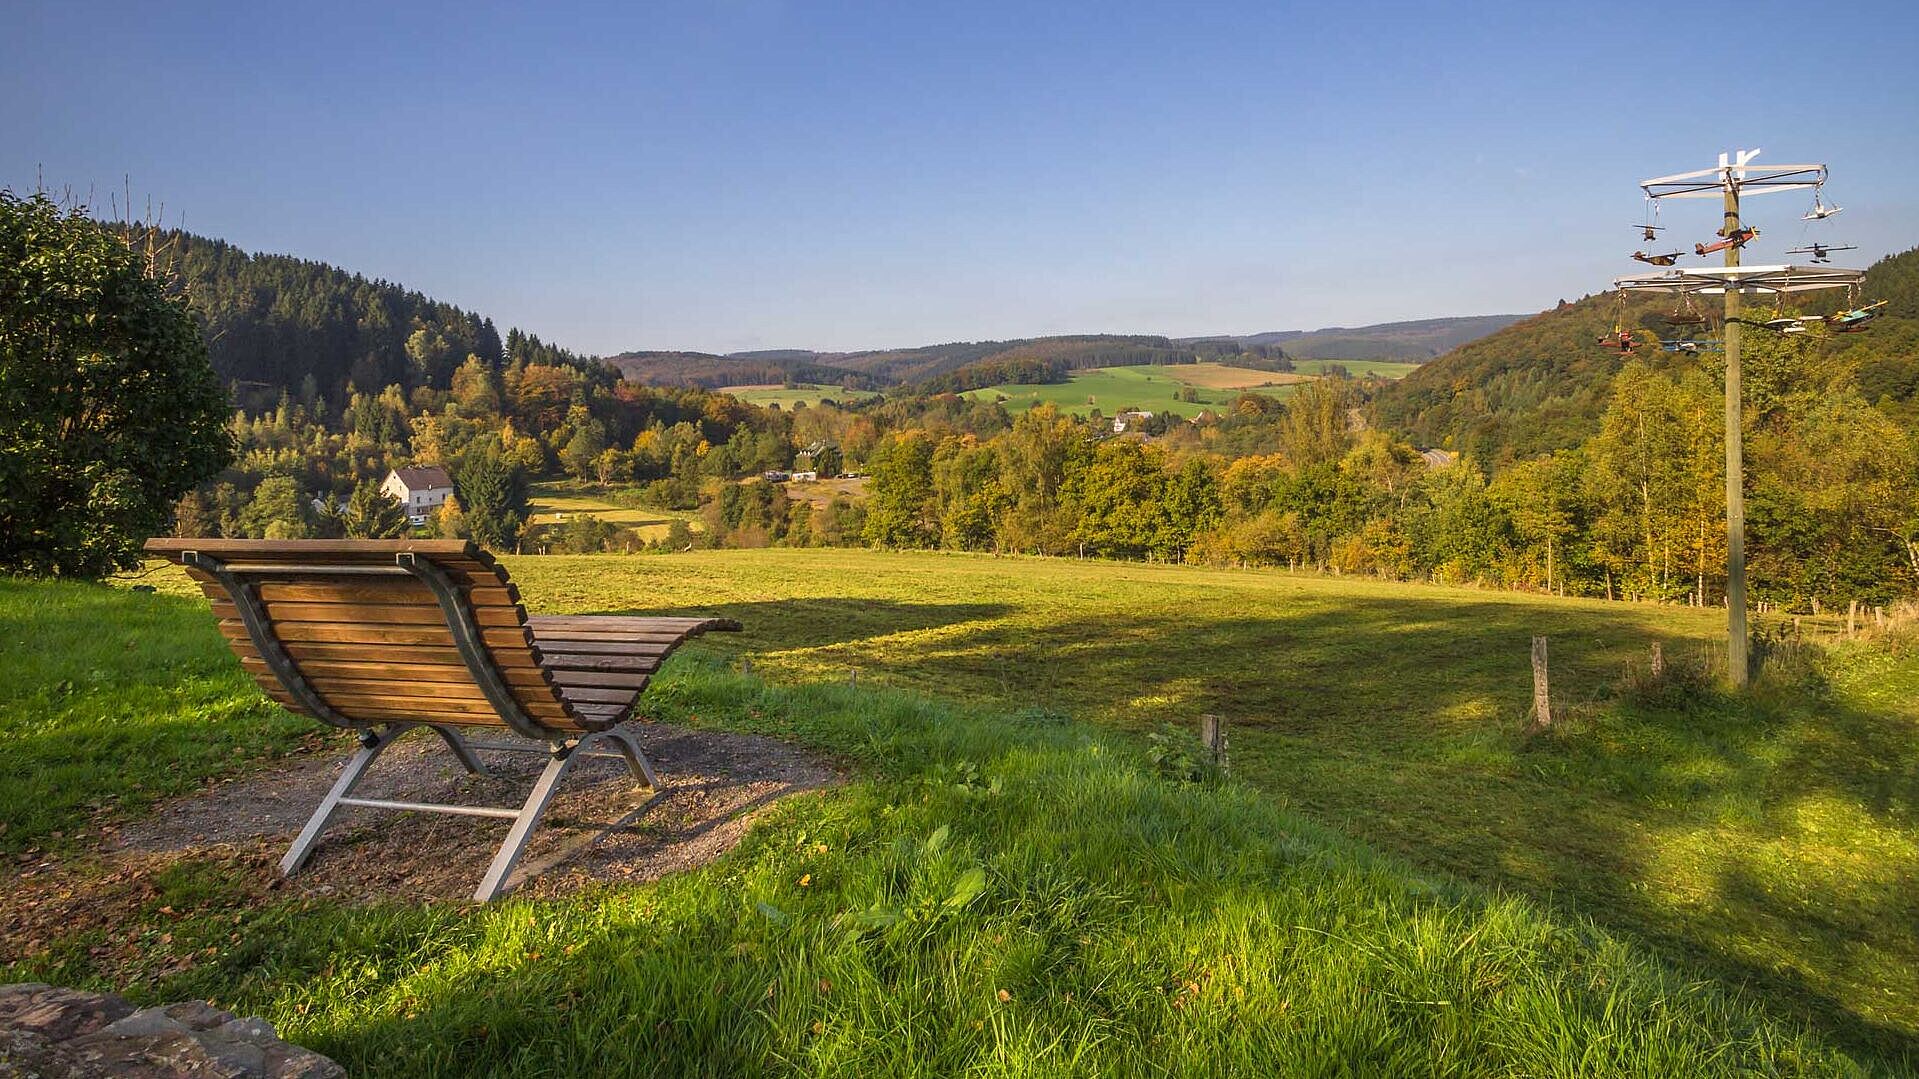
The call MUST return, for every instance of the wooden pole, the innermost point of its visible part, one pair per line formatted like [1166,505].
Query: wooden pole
[1542,695]
[746,665]
[1212,734]
[853,677]
[1852,619]
[1658,659]
[1736,660]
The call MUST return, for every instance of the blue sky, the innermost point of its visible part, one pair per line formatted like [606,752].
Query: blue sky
[757,174]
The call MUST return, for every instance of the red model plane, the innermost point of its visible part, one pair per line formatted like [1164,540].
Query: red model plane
[1737,239]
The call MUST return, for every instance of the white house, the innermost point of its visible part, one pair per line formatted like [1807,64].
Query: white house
[421,490]
[1128,419]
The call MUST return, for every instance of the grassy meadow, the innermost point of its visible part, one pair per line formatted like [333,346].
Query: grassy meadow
[1153,387]
[810,393]
[1672,882]
[553,502]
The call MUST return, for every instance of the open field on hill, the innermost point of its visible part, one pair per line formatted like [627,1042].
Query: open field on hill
[1152,387]
[786,397]
[1358,368]
[1004,892]
[1156,387]
[1220,376]
[553,502]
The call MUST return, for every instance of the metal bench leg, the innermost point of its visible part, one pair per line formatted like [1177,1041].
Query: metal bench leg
[515,843]
[629,747]
[455,742]
[372,744]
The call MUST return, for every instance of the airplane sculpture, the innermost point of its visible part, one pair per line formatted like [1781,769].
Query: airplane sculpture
[1737,239]
[1650,232]
[1819,251]
[1658,260]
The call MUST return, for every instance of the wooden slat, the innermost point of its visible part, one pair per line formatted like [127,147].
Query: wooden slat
[622,679]
[316,591]
[504,658]
[678,626]
[573,661]
[592,694]
[570,646]
[361,633]
[425,673]
[388,614]
[333,686]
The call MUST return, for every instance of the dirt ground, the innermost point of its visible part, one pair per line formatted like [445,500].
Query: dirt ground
[601,826]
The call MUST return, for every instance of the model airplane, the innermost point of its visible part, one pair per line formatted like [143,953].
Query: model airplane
[1819,252]
[1694,346]
[1658,260]
[1855,320]
[1737,239]
[1650,232]
[1622,341]
[1820,211]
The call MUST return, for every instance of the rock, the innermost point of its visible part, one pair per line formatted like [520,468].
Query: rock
[55,1033]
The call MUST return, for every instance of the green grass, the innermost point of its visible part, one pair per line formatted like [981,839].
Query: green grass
[1762,846]
[1358,368]
[1156,388]
[786,397]
[110,699]
[1768,840]
[551,500]
[1005,894]
[1113,389]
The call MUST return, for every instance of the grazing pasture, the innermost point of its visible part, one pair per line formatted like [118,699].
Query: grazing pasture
[1678,879]
[1358,368]
[1153,387]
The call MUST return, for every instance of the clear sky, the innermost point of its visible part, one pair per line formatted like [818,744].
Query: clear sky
[758,174]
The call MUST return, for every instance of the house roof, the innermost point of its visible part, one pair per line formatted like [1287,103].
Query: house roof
[420,479]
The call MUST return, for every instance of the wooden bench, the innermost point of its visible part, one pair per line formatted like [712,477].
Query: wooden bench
[383,636]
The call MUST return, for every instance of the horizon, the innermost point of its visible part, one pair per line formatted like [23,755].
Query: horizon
[762,176]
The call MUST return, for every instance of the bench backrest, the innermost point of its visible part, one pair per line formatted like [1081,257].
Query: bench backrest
[363,632]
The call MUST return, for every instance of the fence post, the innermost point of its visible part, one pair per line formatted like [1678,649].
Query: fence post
[1212,734]
[853,677]
[1658,659]
[746,666]
[1542,695]
[1852,618]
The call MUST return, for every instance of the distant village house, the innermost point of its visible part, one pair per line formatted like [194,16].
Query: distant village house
[1125,421]
[421,490]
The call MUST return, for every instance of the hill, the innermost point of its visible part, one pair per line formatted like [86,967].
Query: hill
[979,363]
[1421,339]
[1541,384]
[275,322]
[1003,882]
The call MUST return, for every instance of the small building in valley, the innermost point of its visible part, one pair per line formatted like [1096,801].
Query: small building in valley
[422,491]
[1437,459]
[1129,420]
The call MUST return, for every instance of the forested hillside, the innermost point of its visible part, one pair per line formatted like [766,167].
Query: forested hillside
[1421,339]
[914,366]
[274,322]
[1542,384]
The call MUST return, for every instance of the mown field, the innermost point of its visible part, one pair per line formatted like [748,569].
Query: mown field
[1152,387]
[552,503]
[1156,387]
[812,393]
[1734,854]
